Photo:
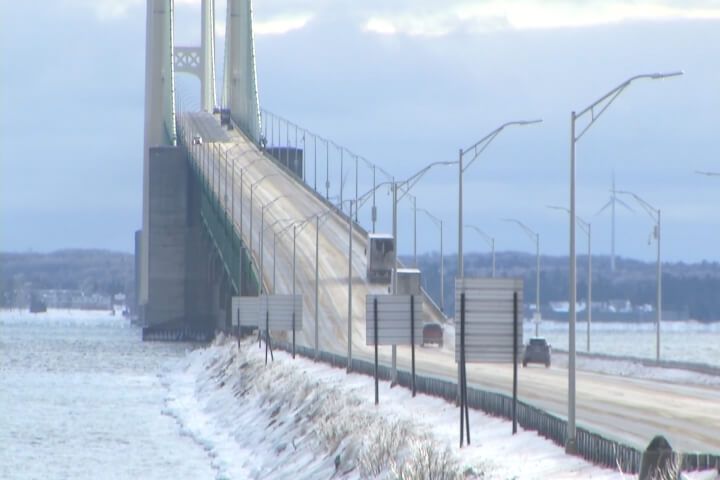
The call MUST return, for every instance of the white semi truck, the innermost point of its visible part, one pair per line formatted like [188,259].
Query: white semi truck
[380,257]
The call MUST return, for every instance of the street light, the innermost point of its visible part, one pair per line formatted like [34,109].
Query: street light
[297,227]
[242,202]
[262,237]
[654,214]
[405,186]
[439,224]
[477,149]
[490,241]
[708,174]
[318,216]
[607,100]
[275,235]
[373,168]
[232,182]
[587,229]
[536,236]
[252,191]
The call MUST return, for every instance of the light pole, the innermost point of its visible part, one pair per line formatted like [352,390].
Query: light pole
[373,213]
[586,227]
[242,202]
[489,240]
[439,224]
[232,182]
[252,191]
[476,149]
[317,281]
[262,242]
[342,168]
[533,236]
[708,174]
[606,100]
[356,188]
[405,186]
[275,235]
[654,214]
[349,327]
[414,200]
[327,170]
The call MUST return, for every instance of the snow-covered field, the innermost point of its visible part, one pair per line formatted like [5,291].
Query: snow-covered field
[683,341]
[301,419]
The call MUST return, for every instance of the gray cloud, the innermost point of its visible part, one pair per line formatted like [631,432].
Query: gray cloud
[73,155]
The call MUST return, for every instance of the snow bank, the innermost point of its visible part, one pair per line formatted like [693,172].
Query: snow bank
[281,422]
[306,420]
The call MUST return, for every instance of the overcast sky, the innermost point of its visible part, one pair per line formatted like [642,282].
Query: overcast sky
[402,83]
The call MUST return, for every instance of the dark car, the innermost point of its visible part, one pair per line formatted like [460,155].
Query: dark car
[537,351]
[432,333]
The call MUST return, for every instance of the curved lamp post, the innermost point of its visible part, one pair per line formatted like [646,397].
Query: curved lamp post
[654,214]
[439,223]
[476,150]
[262,237]
[533,236]
[490,241]
[252,191]
[601,104]
[587,229]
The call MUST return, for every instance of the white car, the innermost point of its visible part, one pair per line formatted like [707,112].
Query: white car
[197,140]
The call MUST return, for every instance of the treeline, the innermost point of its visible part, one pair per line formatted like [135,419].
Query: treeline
[691,287]
[91,271]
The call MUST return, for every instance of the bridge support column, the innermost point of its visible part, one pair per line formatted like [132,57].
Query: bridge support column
[207,47]
[240,86]
[188,285]
[167,233]
[159,113]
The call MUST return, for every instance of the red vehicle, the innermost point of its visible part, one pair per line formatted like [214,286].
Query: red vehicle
[432,334]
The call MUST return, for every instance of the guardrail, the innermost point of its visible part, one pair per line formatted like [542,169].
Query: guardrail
[591,446]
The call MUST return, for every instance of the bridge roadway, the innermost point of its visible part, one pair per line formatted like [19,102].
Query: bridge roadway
[623,408]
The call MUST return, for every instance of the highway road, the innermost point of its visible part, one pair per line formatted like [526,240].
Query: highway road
[627,409]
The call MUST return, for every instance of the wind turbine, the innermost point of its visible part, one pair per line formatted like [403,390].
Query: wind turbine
[611,203]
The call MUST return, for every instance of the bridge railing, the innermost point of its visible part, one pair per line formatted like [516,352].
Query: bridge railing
[593,447]
[218,224]
[290,145]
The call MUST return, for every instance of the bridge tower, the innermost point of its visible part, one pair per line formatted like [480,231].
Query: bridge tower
[240,92]
[162,60]
[159,112]
[175,285]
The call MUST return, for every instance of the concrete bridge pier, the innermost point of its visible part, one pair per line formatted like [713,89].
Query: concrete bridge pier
[188,286]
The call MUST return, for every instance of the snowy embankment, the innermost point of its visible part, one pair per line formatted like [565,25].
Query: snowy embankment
[301,419]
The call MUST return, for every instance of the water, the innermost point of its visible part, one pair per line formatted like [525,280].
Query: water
[80,398]
[686,341]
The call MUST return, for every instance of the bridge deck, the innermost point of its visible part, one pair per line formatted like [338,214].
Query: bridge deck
[624,408]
